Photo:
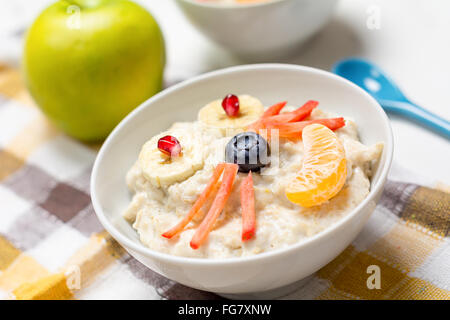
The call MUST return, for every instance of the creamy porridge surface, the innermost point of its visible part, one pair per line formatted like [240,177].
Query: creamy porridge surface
[156,208]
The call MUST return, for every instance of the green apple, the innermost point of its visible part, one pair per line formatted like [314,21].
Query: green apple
[88,63]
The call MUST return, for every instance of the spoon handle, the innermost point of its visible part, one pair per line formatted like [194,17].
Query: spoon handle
[419,114]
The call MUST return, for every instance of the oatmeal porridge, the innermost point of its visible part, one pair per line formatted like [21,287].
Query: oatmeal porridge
[244,179]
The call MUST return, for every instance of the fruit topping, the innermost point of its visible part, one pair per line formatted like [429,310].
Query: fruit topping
[274,110]
[248,150]
[204,196]
[222,191]
[231,105]
[248,208]
[214,115]
[202,232]
[169,146]
[293,130]
[272,116]
[271,111]
[293,116]
[291,124]
[324,168]
[164,162]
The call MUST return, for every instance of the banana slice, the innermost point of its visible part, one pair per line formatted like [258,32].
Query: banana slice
[162,170]
[250,109]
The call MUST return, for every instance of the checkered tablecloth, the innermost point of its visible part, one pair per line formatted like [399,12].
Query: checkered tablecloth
[53,247]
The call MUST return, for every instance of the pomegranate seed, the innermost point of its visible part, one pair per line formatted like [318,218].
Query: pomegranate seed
[170,146]
[231,105]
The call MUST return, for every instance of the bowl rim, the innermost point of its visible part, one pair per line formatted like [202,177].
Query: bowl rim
[141,249]
[231,5]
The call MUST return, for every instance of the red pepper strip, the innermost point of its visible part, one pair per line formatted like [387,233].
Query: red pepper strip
[293,116]
[202,232]
[271,111]
[248,208]
[274,110]
[198,203]
[294,129]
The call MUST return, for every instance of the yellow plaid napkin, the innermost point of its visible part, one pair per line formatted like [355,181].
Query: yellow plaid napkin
[53,247]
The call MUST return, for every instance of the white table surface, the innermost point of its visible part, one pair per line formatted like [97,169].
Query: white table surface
[412,45]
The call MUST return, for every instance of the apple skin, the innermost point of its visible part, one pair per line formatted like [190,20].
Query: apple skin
[87,72]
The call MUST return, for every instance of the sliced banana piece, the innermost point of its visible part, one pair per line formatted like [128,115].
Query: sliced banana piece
[250,109]
[162,170]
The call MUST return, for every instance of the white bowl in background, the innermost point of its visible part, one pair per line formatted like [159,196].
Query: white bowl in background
[259,31]
[270,83]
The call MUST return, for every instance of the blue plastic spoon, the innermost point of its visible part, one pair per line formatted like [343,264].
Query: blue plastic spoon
[385,91]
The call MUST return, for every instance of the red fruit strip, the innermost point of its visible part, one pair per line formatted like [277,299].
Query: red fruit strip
[248,208]
[274,110]
[198,203]
[293,116]
[202,232]
[296,115]
[271,111]
[294,129]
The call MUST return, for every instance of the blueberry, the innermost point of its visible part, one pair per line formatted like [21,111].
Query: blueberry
[249,150]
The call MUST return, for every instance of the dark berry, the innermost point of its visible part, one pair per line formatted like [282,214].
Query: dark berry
[249,150]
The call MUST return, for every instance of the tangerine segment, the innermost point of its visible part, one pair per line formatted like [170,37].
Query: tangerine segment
[324,168]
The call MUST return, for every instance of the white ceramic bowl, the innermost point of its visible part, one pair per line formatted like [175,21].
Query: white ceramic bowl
[259,31]
[270,83]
